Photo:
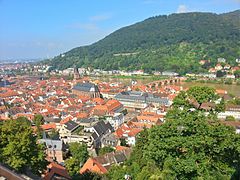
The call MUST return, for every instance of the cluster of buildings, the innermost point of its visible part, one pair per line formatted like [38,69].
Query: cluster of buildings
[221,66]
[98,114]
[92,112]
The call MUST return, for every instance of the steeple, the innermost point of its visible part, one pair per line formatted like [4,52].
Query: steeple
[76,73]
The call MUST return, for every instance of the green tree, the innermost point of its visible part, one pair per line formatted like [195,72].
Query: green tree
[123,142]
[38,120]
[202,94]
[79,151]
[237,73]
[73,166]
[79,155]
[189,145]
[221,106]
[88,176]
[137,156]
[106,149]
[19,148]
[199,94]
[230,118]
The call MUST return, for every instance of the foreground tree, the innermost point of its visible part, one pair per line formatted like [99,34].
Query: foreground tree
[189,145]
[193,147]
[19,148]
[79,157]
[38,120]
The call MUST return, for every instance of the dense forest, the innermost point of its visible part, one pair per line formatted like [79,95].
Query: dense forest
[173,42]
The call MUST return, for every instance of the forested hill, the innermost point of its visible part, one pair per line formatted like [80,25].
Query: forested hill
[175,42]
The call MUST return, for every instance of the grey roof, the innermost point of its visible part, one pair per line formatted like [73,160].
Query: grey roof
[87,120]
[71,125]
[110,139]
[131,96]
[111,158]
[52,144]
[94,136]
[102,128]
[120,157]
[4,83]
[138,96]
[52,119]
[86,87]
[109,126]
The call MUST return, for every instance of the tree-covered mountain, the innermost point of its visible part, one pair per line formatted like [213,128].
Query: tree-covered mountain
[175,42]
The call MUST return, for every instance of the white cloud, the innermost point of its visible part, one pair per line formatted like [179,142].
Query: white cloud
[100,17]
[182,8]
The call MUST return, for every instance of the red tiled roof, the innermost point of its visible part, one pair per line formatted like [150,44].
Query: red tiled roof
[120,148]
[221,91]
[63,121]
[93,165]
[98,100]
[48,126]
[56,169]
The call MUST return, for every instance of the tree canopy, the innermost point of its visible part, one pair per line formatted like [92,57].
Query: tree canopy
[189,145]
[79,156]
[19,148]
[106,149]
[195,97]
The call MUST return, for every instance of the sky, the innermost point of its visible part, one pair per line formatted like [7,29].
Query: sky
[46,28]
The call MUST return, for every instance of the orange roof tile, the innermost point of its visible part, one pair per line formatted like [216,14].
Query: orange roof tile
[221,91]
[93,165]
[56,169]
[48,126]
[98,100]
[120,148]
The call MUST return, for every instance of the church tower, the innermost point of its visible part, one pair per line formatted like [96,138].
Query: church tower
[76,73]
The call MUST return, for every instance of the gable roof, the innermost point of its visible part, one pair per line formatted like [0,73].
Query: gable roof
[71,125]
[101,164]
[54,169]
[101,128]
[93,165]
[86,87]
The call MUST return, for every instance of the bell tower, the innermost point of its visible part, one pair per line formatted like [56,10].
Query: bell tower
[76,73]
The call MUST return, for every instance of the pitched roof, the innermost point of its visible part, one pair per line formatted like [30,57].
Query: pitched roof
[56,169]
[101,164]
[101,127]
[86,87]
[98,100]
[48,126]
[120,148]
[71,125]
[93,165]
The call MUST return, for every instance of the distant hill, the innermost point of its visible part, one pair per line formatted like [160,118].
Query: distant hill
[175,42]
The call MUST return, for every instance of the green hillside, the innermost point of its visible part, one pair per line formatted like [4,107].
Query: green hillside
[175,42]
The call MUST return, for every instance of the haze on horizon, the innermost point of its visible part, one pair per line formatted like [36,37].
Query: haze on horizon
[43,29]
